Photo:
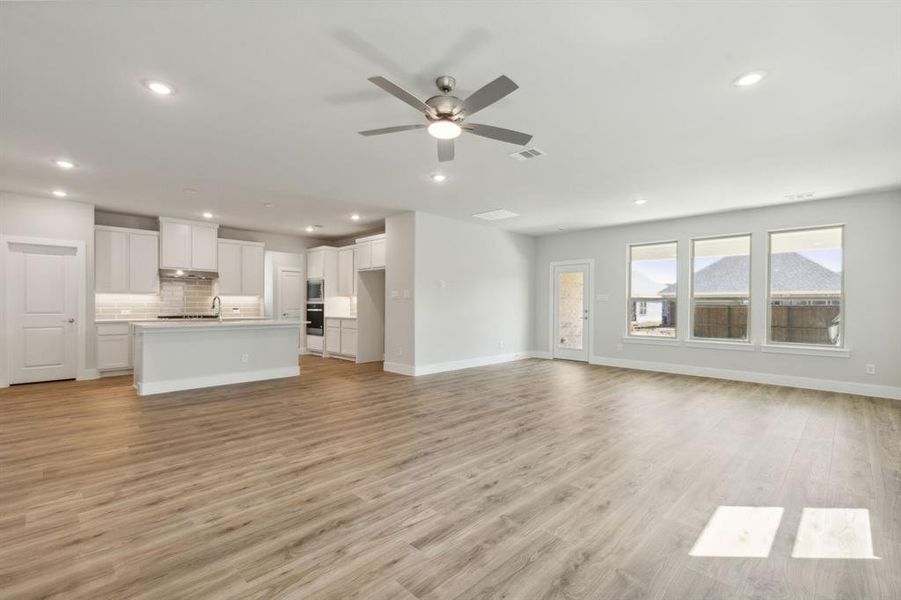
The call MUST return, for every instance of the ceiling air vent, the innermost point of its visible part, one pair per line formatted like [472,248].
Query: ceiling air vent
[528,154]
[496,215]
[801,196]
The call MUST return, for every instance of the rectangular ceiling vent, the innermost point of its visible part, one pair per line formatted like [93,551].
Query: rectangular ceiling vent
[801,196]
[528,154]
[496,215]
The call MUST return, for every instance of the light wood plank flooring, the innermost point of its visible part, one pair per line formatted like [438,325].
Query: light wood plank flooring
[526,481]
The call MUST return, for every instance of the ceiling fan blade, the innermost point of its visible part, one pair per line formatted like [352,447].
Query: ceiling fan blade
[445,150]
[402,95]
[385,130]
[489,94]
[498,133]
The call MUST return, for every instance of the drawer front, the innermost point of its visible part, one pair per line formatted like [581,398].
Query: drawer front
[349,324]
[112,328]
[333,322]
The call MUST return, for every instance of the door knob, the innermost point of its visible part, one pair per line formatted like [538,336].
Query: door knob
[71,321]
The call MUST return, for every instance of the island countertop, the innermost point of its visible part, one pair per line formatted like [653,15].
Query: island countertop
[212,324]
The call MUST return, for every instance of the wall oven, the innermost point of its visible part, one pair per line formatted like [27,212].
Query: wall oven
[315,290]
[316,318]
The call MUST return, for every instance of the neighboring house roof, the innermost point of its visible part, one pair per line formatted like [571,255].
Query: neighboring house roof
[793,273]
[645,287]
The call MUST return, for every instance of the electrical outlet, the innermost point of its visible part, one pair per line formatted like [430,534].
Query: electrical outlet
[871,369]
[619,347]
[245,358]
[399,351]
[500,344]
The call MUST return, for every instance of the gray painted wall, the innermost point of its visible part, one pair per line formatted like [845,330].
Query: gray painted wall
[872,251]
[474,290]
[399,311]
[55,219]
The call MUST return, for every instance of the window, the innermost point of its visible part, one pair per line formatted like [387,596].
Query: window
[805,287]
[720,287]
[652,290]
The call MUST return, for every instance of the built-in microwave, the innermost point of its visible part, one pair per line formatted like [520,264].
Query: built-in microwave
[315,290]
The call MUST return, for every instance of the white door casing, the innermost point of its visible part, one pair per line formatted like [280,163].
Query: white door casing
[289,302]
[571,315]
[43,306]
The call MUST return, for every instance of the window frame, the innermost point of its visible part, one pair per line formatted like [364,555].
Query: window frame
[747,340]
[654,338]
[768,342]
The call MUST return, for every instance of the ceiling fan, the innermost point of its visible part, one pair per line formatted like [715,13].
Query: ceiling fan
[446,114]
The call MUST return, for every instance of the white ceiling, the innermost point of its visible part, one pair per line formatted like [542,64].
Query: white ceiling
[628,99]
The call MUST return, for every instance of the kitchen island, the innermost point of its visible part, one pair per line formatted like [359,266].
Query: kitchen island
[171,356]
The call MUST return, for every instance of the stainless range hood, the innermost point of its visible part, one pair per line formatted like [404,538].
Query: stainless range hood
[186,274]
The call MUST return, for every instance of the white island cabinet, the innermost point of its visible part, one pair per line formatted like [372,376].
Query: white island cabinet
[171,356]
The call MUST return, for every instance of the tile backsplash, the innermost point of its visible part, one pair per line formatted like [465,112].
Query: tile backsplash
[177,297]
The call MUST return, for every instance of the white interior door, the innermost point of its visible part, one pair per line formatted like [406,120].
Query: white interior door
[290,301]
[571,316]
[42,301]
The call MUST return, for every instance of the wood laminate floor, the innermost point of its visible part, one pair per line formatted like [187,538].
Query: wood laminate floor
[526,481]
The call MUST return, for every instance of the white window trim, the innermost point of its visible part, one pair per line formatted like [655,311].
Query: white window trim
[659,340]
[746,341]
[720,344]
[808,349]
[833,351]
[651,340]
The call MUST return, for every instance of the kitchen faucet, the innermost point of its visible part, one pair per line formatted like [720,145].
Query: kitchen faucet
[217,304]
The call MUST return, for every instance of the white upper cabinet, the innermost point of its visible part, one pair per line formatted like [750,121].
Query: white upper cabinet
[363,255]
[126,261]
[190,245]
[240,268]
[346,274]
[204,248]
[229,268]
[252,257]
[110,260]
[322,263]
[369,252]
[143,262]
[316,263]
[378,253]
[175,245]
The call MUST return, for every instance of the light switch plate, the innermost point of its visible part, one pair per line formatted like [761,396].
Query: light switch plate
[602,297]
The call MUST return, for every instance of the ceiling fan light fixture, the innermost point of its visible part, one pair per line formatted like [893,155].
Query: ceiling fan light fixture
[444,129]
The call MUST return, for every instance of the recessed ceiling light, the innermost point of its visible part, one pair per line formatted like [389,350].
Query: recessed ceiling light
[207,215]
[189,191]
[309,229]
[444,129]
[438,177]
[267,205]
[355,217]
[60,193]
[158,87]
[749,78]
[640,201]
[63,163]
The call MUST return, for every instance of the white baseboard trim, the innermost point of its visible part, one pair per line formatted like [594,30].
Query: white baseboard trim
[116,373]
[811,383]
[469,363]
[88,374]
[398,368]
[191,383]
[541,354]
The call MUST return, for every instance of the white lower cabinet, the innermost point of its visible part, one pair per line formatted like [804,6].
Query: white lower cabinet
[341,337]
[113,346]
[314,343]
[333,340]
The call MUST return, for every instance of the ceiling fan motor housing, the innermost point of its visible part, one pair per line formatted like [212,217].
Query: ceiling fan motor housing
[445,107]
